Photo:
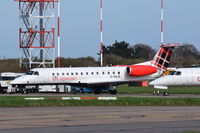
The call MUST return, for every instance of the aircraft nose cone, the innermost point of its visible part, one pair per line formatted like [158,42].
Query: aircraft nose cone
[161,81]
[17,81]
[13,82]
[154,82]
[158,81]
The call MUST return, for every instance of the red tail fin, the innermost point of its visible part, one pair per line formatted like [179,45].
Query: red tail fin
[162,59]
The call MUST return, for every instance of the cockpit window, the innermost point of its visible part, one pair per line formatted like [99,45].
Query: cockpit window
[172,73]
[36,73]
[175,73]
[178,73]
[30,73]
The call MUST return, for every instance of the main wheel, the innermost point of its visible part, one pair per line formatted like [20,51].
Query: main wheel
[158,92]
[166,94]
[23,91]
[2,90]
[82,91]
[114,92]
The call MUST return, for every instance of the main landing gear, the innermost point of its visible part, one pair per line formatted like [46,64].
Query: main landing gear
[98,91]
[114,92]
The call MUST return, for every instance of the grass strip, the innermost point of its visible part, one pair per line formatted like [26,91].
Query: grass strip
[190,132]
[13,101]
[124,89]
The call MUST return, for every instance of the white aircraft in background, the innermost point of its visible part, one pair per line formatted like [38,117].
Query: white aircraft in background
[179,77]
[99,77]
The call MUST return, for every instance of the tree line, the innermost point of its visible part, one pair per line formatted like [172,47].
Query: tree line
[124,53]
[120,53]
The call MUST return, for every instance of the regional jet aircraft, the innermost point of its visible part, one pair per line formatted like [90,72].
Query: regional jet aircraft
[179,77]
[99,77]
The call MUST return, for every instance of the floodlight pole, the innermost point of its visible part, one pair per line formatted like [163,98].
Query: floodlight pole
[162,22]
[59,5]
[101,32]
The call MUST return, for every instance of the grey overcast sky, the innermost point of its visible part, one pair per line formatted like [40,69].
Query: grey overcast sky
[133,21]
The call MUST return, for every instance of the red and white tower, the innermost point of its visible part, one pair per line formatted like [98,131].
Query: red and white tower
[37,33]
[162,23]
[101,32]
[58,65]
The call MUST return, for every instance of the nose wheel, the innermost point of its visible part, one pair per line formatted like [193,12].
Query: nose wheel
[157,92]
[166,93]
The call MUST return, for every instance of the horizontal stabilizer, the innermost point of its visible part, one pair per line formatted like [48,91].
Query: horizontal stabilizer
[171,45]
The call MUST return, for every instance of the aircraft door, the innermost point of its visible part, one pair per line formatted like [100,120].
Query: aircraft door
[171,77]
[39,77]
[189,77]
[178,78]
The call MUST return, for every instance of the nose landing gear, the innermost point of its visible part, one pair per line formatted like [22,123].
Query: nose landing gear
[157,92]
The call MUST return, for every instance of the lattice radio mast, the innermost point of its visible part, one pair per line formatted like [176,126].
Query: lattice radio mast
[37,33]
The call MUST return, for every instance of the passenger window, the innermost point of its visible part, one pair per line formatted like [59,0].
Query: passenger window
[67,73]
[53,74]
[113,72]
[118,72]
[97,73]
[57,74]
[81,73]
[76,73]
[63,74]
[72,74]
[103,73]
[108,72]
[92,73]
[86,73]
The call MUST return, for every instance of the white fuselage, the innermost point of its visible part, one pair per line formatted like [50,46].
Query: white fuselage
[180,77]
[100,76]
[95,76]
